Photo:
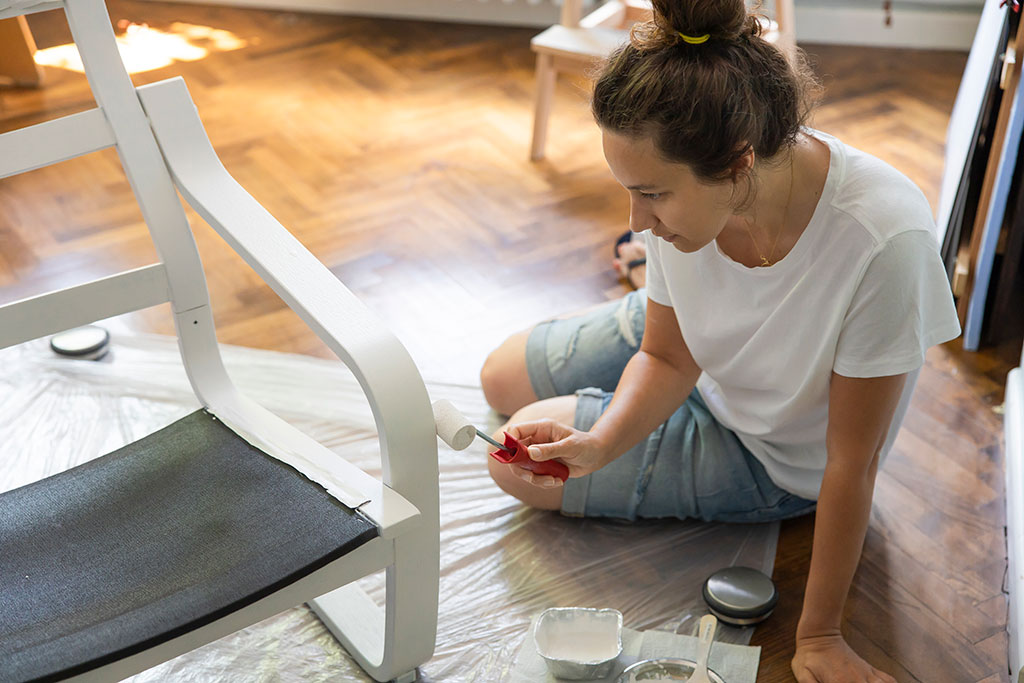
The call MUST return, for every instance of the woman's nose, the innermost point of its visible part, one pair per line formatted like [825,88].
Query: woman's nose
[640,218]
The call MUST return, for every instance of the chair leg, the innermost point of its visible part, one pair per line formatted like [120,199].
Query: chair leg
[786,19]
[542,106]
[16,50]
[388,643]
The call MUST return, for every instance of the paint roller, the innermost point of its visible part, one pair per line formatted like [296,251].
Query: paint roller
[458,432]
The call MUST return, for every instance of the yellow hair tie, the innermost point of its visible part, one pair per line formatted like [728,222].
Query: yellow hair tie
[695,41]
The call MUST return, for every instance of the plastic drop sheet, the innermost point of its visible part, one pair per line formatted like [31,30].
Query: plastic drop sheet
[501,563]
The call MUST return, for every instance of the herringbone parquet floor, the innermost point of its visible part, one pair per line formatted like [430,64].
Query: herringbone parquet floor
[396,151]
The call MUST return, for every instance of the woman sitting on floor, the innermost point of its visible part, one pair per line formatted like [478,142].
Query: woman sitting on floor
[793,287]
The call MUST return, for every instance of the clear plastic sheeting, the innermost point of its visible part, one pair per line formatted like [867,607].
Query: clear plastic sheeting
[501,563]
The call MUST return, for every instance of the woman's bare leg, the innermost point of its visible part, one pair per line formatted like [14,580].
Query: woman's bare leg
[504,378]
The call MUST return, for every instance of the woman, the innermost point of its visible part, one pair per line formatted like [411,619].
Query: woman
[793,288]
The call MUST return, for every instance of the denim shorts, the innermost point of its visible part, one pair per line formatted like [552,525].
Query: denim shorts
[689,467]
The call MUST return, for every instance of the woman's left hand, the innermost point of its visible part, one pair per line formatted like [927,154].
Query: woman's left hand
[828,659]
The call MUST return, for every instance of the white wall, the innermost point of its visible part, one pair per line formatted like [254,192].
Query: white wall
[934,24]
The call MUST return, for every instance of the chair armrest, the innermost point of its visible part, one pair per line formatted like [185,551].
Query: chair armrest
[384,369]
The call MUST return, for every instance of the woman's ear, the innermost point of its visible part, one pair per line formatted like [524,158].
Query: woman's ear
[742,171]
[744,165]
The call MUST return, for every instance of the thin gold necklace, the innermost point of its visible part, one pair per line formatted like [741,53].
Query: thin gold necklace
[766,261]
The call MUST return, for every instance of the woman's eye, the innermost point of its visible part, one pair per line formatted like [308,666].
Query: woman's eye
[650,195]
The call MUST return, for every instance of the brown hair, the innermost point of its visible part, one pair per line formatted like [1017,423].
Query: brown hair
[705,105]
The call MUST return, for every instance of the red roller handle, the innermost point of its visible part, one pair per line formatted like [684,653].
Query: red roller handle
[522,458]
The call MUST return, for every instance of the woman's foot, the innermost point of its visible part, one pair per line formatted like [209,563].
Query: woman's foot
[630,260]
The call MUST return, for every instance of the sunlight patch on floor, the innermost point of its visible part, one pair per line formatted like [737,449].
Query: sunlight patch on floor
[144,48]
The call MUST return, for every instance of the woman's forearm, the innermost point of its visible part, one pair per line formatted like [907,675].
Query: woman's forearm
[841,522]
[650,390]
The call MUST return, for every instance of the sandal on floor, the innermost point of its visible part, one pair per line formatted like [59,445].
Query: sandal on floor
[630,265]
[623,239]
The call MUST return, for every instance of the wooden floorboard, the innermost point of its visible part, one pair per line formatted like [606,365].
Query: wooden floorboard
[397,152]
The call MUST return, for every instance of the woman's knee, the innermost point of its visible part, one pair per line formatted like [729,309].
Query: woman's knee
[504,378]
[525,492]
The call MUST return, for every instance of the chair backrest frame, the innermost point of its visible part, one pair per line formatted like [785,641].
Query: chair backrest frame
[120,122]
[395,390]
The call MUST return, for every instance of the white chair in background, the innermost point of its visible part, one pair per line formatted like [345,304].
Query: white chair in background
[577,43]
[17,48]
[230,515]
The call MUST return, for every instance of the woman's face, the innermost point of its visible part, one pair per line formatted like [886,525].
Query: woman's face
[664,197]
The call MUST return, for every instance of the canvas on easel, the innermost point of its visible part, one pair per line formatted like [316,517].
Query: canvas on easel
[1005,314]
[969,133]
[977,297]
[995,194]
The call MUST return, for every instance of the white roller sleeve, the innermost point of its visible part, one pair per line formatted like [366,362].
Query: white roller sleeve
[452,426]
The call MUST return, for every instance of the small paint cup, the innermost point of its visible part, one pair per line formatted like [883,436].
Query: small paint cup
[579,643]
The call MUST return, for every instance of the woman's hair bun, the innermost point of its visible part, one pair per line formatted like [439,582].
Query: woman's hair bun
[721,19]
[705,104]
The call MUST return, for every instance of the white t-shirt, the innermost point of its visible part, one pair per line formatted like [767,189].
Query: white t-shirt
[863,292]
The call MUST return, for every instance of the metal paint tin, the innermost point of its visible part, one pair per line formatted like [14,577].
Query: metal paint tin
[740,596]
[84,343]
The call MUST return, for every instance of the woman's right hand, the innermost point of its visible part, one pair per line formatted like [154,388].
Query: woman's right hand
[827,658]
[581,452]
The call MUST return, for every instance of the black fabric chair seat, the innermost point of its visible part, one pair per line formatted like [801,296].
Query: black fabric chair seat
[155,539]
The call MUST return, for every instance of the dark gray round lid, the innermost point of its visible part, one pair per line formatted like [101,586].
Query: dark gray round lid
[740,593]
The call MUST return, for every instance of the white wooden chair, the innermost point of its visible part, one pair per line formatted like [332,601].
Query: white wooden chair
[230,515]
[577,43]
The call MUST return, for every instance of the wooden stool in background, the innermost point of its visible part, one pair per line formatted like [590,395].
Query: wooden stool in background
[17,66]
[574,45]
[577,43]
